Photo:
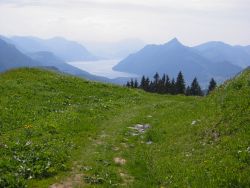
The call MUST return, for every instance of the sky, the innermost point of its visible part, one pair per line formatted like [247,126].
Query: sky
[152,21]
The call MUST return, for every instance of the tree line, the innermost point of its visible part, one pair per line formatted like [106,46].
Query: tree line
[166,85]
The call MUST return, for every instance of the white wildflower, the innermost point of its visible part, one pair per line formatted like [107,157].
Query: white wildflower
[28,143]
[193,122]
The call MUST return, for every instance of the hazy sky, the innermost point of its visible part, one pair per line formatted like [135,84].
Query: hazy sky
[153,21]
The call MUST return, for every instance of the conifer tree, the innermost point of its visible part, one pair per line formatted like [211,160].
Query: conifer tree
[155,86]
[195,88]
[162,84]
[136,84]
[143,83]
[132,83]
[163,79]
[128,84]
[151,87]
[172,87]
[147,83]
[180,84]
[167,87]
[188,92]
[156,77]
[212,85]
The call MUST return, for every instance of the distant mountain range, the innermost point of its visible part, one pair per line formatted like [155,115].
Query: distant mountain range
[115,50]
[213,59]
[11,57]
[219,52]
[60,47]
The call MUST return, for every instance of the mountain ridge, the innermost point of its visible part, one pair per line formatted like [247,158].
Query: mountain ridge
[172,57]
[11,57]
[65,49]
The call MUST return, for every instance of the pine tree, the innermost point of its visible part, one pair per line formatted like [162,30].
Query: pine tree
[151,87]
[167,87]
[195,88]
[143,83]
[162,84]
[132,83]
[188,92]
[180,84]
[136,84]
[156,77]
[173,87]
[212,85]
[128,84]
[147,82]
[155,86]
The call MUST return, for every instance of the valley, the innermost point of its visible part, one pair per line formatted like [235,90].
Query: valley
[124,94]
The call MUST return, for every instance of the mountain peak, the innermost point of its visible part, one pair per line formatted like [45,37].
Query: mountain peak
[175,42]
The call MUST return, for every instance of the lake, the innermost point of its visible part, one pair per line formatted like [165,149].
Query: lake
[101,68]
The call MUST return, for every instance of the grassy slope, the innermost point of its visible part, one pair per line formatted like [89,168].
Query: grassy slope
[51,123]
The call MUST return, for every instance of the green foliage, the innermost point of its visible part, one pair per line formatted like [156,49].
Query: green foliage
[165,86]
[180,84]
[43,115]
[52,123]
[212,85]
[195,88]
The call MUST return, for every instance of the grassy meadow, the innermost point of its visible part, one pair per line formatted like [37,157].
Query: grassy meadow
[57,130]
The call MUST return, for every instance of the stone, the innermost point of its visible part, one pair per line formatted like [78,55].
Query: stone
[119,161]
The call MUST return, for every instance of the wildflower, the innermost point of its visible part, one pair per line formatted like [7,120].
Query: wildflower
[48,164]
[193,122]
[28,143]
[248,149]
[28,126]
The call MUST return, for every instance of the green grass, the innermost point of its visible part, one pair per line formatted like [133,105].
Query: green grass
[56,127]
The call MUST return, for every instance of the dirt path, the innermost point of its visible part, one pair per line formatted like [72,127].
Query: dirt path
[80,175]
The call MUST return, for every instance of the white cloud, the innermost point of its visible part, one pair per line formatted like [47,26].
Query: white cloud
[193,21]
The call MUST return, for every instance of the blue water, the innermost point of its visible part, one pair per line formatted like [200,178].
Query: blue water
[101,68]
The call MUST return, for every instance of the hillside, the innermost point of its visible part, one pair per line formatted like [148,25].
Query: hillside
[172,57]
[64,131]
[10,57]
[45,57]
[219,52]
[63,48]
[48,59]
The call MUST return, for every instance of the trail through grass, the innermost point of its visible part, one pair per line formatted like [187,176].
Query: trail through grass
[68,132]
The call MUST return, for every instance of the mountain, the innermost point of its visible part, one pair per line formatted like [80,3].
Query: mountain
[64,49]
[173,57]
[45,57]
[11,57]
[248,48]
[219,51]
[69,50]
[115,50]
[48,59]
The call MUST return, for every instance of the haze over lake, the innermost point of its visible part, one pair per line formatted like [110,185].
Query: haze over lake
[101,68]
